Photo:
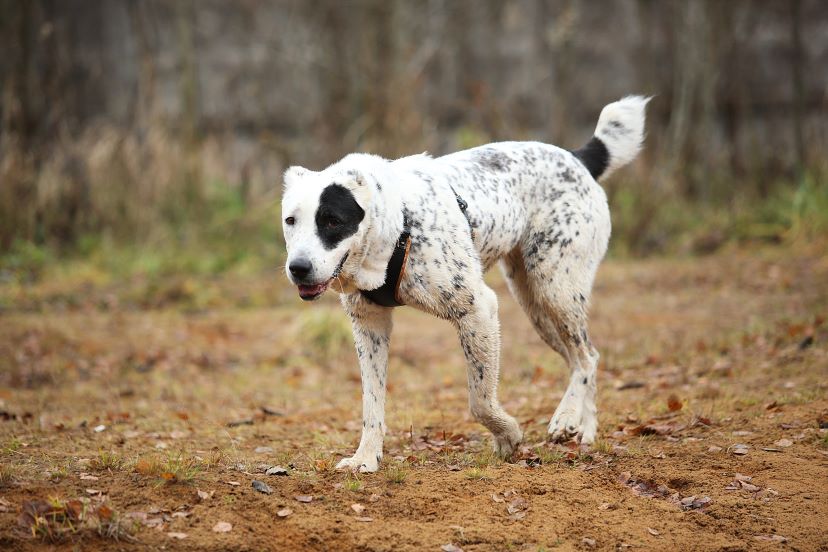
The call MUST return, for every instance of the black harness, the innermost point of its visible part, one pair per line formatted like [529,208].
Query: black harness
[387,295]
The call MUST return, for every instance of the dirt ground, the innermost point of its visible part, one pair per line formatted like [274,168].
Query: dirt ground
[132,424]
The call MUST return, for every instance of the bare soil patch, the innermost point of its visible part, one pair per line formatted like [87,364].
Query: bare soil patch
[713,409]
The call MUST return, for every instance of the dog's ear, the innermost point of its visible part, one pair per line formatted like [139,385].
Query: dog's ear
[292,175]
[356,180]
[357,183]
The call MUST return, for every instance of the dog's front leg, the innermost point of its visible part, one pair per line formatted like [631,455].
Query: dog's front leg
[372,332]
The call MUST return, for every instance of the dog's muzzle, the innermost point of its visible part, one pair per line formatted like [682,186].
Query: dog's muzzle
[309,292]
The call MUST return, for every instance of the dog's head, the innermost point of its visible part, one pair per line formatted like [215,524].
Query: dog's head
[322,218]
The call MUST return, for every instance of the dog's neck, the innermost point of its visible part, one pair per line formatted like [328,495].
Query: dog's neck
[382,227]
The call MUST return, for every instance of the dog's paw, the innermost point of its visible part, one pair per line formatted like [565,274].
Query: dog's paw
[363,464]
[506,443]
[573,423]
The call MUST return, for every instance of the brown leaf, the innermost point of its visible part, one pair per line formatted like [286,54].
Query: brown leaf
[674,403]
[222,527]
[104,512]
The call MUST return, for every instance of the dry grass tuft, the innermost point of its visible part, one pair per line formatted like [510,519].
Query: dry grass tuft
[174,468]
[396,474]
[107,461]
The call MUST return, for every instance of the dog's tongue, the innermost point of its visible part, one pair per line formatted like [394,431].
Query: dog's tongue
[309,292]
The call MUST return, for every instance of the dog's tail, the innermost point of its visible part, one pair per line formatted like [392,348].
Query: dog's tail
[617,139]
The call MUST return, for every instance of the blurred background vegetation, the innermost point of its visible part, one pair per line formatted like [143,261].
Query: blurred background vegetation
[149,136]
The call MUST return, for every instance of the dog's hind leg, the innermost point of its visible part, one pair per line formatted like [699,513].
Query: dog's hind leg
[555,299]
[479,332]
[372,333]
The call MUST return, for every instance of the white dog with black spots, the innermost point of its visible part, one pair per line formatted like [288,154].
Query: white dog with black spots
[535,208]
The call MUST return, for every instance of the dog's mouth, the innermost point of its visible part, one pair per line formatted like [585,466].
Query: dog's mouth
[315,291]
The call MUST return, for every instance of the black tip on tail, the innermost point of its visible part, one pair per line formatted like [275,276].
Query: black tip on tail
[595,157]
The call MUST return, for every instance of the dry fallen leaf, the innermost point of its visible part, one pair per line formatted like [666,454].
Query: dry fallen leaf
[222,527]
[739,449]
[517,505]
[497,498]
[204,495]
[357,507]
[261,486]
[674,403]
[285,512]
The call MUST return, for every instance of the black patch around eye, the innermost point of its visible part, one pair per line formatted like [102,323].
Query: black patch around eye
[337,204]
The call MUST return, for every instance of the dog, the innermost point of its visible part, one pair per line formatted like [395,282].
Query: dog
[421,232]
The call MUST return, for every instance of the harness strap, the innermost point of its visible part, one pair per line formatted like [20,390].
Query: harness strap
[387,295]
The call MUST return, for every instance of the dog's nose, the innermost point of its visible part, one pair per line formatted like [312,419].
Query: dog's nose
[300,268]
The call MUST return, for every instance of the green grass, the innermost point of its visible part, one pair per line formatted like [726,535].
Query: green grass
[352,483]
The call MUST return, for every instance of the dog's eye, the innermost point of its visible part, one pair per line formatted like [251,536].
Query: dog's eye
[331,222]
[290,221]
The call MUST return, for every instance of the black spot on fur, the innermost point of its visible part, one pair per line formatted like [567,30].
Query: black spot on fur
[338,215]
[595,156]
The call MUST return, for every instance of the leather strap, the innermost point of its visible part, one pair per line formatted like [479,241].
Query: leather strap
[387,295]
